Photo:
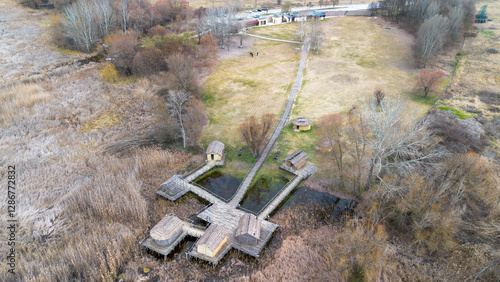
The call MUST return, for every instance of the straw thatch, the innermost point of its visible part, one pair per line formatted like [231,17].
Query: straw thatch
[296,159]
[248,231]
[167,229]
[216,147]
[212,240]
[302,121]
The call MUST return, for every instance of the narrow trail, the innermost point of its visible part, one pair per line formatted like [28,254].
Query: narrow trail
[245,184]
[273,39]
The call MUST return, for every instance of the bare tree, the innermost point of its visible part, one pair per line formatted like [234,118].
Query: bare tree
[286,8]
[379,95]
[176,103]
[456,26]
[220,21]
[104,15]
[302,30]
[431,37]
[417,11]
[254,132]
[428,80]
[316,34]
[398,140]
[183,70]
[345,135]
[123,7]
[78,25]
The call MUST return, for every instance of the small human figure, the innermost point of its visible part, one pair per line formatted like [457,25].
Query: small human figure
[251,54]
[257,53]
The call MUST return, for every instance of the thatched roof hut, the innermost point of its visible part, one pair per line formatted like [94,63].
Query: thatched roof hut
[167,230]
[302,123]
[296,159]
[325,144]
[215,150]
[212,240]
[248,230]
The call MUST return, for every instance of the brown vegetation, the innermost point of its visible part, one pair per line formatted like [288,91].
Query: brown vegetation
[428,80]
[255,132]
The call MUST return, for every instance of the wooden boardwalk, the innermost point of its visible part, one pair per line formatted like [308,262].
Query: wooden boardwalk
[226,214]
[176,186]
[301,174]
[245,184]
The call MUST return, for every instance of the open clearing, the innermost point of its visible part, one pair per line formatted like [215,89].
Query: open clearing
[245,86]
[358,55]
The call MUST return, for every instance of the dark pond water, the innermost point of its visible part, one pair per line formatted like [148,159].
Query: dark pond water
[224,185]
[262,192]
[265,188]
[307,197]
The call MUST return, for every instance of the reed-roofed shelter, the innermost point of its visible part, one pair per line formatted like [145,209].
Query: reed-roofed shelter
[167,230]
[325,144]
[296,159]
[248,231]
[215,151]
[302,123]
[212,240]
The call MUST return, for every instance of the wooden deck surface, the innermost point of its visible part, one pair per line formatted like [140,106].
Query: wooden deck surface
[229,217]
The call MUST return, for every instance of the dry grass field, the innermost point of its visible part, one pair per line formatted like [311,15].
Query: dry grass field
[245,86]
[358,55]
[477,82]
[25,42]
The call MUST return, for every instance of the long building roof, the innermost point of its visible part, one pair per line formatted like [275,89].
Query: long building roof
[213,237]
[296,157]
[249,224]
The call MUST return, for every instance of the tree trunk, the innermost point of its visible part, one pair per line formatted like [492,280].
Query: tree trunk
[369,179]
[183,131]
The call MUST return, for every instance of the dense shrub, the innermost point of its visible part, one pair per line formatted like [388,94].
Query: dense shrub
[123,51]
[148,61]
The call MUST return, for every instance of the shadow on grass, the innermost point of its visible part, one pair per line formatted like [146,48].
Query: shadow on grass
[418,96]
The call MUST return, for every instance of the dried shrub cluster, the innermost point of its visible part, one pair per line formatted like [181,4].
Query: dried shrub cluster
[356,250]
[457,204]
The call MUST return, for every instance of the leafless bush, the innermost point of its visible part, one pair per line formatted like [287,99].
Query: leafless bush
[458,136]
[355,250]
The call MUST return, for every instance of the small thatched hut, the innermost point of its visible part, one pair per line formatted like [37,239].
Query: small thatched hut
[248,231]
[302,124]
[325,144]
[296,159]
[212,240]
[215,151]
[167,230]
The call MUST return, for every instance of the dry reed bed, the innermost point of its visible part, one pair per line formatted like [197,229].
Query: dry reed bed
[82,212]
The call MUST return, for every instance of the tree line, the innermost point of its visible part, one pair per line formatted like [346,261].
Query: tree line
[82,24]
[437,24]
